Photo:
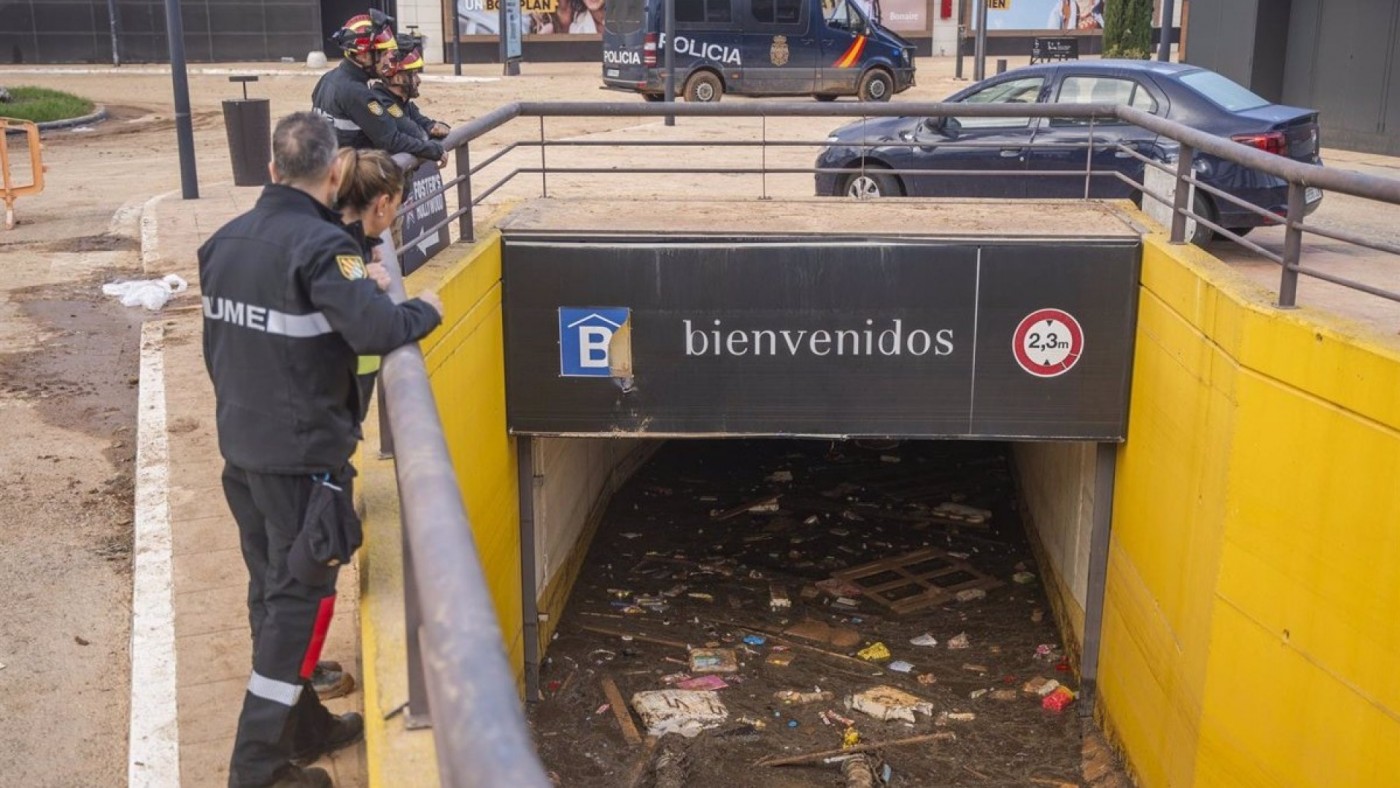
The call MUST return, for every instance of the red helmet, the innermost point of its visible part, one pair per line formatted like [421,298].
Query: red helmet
[407,55]
[364,33]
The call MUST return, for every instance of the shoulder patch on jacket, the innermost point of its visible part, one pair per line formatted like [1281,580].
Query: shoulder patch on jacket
[376,108]
[352,266]
[394,111]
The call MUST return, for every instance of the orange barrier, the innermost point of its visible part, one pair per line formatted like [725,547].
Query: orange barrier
[10,192]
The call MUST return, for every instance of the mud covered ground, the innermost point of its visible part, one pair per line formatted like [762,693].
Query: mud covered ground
[706,581]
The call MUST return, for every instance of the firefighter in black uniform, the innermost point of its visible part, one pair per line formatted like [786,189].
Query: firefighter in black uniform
[402,73]
[288,305]
[343,96]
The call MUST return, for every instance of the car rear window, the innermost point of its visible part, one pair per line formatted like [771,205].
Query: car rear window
[624,16]
[1222,91]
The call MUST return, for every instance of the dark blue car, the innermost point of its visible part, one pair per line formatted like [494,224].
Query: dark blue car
[1186,94]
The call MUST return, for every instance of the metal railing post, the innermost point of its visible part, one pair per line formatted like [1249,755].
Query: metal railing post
[544,168]
[419,715]
[1185,159]
[466,223]
[1292,246]
[763,165]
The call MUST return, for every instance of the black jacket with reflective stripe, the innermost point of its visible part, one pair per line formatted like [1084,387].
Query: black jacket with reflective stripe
[360,119]
[287,308]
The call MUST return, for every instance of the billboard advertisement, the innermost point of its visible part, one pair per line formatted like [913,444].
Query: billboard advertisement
[912,338]
[1060,15]
[537,17]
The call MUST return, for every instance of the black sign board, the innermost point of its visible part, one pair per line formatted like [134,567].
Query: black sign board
[1045,49]
[813,337]
[424,181]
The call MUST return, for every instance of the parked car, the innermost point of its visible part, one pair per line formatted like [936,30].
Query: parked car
[1186,94]
[755,48]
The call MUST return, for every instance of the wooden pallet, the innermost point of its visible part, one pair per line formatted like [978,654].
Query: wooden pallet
[916,580]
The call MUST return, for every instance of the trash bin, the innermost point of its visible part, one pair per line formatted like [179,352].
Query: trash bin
[249,126]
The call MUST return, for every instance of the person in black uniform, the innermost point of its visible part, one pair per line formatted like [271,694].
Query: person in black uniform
[402,72]
[288,305]
[343,96]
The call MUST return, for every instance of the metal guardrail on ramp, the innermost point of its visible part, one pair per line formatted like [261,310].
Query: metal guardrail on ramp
[456,657]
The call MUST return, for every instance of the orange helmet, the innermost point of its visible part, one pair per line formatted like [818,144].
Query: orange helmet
[406,56]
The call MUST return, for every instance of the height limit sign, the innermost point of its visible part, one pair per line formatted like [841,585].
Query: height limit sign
[1048,342]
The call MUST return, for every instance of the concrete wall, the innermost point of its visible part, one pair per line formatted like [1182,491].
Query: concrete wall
[427,16]
[1254,569]
[1057,493]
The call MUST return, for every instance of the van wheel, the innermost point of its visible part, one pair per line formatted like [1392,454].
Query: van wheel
[870,185]
[703,87]
[824,97]
[876,85]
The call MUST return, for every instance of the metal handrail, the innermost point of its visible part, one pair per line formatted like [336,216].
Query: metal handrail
[479,728]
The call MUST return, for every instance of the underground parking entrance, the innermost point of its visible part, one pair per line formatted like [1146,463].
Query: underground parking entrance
[824,507]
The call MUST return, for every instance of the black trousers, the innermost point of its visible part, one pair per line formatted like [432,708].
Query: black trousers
[281,713]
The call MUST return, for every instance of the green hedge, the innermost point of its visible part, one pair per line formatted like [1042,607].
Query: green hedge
[1127,29]
[42,105]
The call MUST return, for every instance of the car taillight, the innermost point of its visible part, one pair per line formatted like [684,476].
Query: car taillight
[649,50]
[1269,142]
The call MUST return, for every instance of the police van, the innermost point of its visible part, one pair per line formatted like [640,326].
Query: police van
[819,48]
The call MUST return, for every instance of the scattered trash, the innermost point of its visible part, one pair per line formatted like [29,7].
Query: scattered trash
[630,535]
[701,596]
[792,723]
[713,660]
[149,293]
[778,597]
[890,458]
[927,679]
[781,658]
[755,640]
[752,722]
[875,652]
[839,588]
[1004,694]
[809,592]
[962,716]
[81,641]
[956,511]
[831,718]
[814,757]
[624,720]
[960,640]
[900,666]
[969,594]
[910,582]
[927,640]
[887,703]
[974,668]
[767,504]
[601,709]
[674,678]
[710,682]
[796,697]
[1037,616]
[850,738]
[685,712]
[1058,700]
[1040,686]
[1024,578]
[780,476]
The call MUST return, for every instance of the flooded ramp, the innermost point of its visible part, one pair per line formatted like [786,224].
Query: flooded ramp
[726,628]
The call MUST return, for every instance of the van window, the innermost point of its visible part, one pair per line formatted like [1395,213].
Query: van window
[695,11]
[843,16]
[1102,90]
[781,12]
[625,16]
[1016,91]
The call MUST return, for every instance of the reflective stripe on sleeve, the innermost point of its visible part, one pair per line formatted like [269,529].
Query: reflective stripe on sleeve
[301,326]
[271,689]
[345,124]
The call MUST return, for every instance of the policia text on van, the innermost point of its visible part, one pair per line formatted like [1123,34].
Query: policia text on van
[755,48]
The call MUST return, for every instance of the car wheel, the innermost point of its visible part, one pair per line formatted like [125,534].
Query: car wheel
[1201,234]
[703,87]
[875,85]
[870,185]
[824,97]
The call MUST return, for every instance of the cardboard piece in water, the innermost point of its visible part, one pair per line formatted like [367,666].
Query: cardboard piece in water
[679,711]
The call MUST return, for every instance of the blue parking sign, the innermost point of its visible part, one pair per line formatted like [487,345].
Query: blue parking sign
[584,336]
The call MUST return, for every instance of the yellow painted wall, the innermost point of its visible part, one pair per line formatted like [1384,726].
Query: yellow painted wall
[1250,634]
[466,364]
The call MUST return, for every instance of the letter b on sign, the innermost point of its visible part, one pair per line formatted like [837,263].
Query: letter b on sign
[585,335]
